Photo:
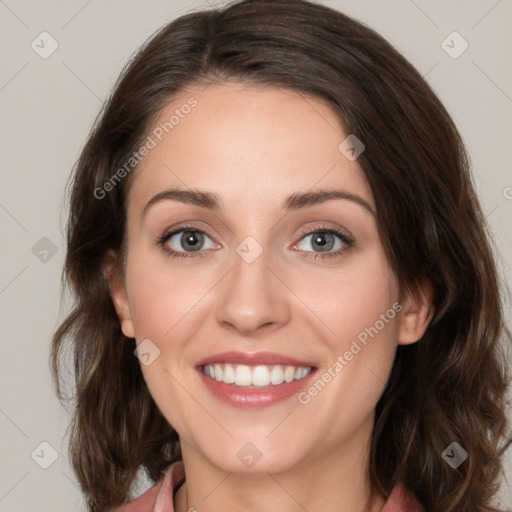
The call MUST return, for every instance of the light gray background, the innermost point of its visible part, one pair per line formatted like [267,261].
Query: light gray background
[47,108]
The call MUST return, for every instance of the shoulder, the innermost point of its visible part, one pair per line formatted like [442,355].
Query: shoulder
[401,500]
[160,493]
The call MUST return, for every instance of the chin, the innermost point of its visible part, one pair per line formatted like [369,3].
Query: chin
[255,457]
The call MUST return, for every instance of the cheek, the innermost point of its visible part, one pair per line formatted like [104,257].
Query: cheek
[346,303]
[161,295]
[366,323]
[162,303]
[358,310]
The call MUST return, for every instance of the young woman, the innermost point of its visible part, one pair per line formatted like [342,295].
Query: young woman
[286,297]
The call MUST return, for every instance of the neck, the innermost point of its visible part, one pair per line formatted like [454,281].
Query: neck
[337,481]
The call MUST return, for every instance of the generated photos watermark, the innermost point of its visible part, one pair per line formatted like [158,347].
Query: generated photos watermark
[150,143]
[343,360]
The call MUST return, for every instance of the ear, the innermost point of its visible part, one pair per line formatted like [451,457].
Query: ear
[416,314]
[118,294]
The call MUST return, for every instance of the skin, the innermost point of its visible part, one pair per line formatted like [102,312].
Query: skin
[253,147]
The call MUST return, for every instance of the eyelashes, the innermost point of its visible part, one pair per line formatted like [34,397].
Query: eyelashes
[164,239]
[198,236]
[346,241]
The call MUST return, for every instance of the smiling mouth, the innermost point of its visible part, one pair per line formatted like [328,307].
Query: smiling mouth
[258,376]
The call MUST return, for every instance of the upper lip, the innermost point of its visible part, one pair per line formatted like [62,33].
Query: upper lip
[253,359]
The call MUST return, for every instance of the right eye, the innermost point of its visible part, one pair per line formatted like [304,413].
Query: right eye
[183,242]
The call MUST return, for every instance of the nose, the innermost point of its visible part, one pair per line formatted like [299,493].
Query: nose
[253,298]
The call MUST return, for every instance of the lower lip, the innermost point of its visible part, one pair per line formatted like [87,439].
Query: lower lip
[251,398]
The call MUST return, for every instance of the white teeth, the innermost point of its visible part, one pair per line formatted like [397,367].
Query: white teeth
[261,375]
[289,374]
[229,374]
[243,375]
[277,375]
[218,372]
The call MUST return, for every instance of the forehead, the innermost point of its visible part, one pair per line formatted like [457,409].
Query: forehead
[252,145]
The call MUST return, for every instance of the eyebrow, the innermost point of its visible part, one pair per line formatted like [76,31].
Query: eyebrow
[296,201]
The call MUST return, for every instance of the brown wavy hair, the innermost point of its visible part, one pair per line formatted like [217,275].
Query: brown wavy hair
[450,386]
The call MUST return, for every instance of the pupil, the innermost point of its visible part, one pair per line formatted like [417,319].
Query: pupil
[193,239]
[320,240]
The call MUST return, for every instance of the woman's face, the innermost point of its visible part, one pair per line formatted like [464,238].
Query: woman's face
[230,271]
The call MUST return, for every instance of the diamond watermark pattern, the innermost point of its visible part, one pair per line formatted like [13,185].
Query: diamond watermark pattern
[44,45]
[249,249]
[351,147]
[44,250]
[44,455]
[147,352]
[454,45]
[249,455]
[455,455]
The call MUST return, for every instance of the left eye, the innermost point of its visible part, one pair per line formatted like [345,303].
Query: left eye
[323,241]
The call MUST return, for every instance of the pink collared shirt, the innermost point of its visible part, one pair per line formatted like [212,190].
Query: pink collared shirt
[159,498]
